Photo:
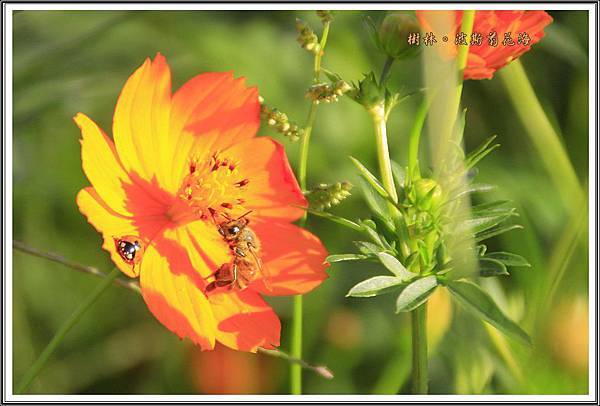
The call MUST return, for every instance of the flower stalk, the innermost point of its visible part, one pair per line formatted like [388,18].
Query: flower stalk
[377,113]
[296,345]
[419,355]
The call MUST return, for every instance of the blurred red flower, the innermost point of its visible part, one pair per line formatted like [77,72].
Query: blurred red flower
[499,37]
[227,372]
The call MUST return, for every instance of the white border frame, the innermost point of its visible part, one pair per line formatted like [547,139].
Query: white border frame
[593,118]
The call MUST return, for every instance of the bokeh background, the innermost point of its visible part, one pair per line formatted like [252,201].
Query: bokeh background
[66,62]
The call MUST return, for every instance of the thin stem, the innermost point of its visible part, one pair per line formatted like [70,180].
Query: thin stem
[545,139]
[387,69]
[419,353]
[296,345]
[414,139]
[37,366]
[321,370]
[21,246]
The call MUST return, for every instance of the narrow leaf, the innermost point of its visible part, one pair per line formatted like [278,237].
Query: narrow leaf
[336,219]
[495,231]
[508,258]
[368,247]
[491,267]
[474,157]
[479,224]
[344,257]
[473,188]
[415,294]
[394,266]
[481,305]
[375,286]
[399,174]
[369,177]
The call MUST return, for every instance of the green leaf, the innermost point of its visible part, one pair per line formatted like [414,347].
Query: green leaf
[473,188]
[491,267]
[423,252]
[375,286]
[490,206]
[415,294]
[508,258]
[368,247]
[370,229]
[478,154]
[344,257]
[399,175]
[369,177]
[481,305]
[479,224]
[376,203]
[332,76]
[495,231]
[336,219]
[394,266]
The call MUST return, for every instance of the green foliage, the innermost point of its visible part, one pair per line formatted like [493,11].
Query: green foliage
[481,305]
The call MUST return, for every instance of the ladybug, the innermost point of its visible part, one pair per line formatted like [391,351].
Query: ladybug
[129,249]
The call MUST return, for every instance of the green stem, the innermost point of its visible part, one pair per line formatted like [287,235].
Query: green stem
[387,68]
[37,366]
[383,155]
[414,139]
[545,139]
[419,354]
[296,345]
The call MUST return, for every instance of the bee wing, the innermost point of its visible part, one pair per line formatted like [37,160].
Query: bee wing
[263,270]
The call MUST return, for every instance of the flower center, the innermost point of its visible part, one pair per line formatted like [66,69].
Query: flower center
[211,187]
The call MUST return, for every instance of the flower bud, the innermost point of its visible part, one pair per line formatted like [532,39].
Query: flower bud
[428,194]
[393,36]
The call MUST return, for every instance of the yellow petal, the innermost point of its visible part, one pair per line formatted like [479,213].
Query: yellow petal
[173,292]
[101,165]
[141,121]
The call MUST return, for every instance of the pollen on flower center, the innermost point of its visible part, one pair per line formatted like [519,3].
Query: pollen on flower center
[210,187]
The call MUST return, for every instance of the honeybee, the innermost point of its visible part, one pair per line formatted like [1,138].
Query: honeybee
[246,265]
[130,249]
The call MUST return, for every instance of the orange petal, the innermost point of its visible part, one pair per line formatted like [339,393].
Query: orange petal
[272,190]
[101,164]
[244,321]
[211,104]
[293,259]
[141,121]
[173,291]
[113,225]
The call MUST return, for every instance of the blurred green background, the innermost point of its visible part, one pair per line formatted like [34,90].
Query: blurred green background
[66,62]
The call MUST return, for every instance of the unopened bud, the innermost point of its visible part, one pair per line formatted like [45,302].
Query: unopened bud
[394,33]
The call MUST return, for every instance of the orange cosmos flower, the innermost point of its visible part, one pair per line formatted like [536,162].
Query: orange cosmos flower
[499,37]
[182,165]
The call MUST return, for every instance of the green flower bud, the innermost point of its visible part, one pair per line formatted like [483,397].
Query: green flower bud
[428,194]
[394,33]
